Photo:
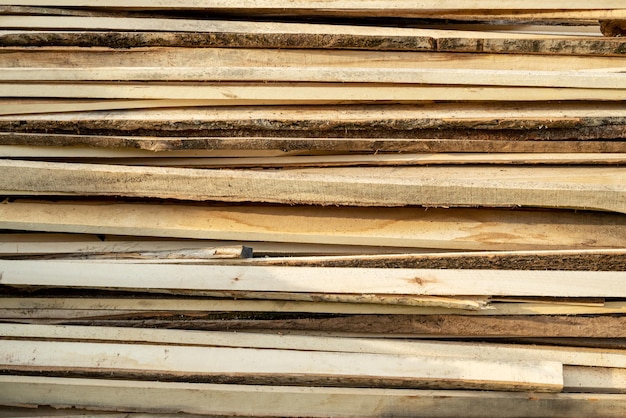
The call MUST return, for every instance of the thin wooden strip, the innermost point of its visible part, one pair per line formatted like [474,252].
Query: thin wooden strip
[162,397]
[324,38]
[575,356]
[305,93]
[470,229]
[63,308]
[597,188]
[286,366]
[407,326]
[312,279]
[437,76]
[84,59]
[22,144]
[325,4]
[480,121]
[367,160]
[233,27]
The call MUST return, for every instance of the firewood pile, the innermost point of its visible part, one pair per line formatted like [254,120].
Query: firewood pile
[322,208]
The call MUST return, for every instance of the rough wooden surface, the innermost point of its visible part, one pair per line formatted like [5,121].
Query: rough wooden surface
[596,188]
[162,397]
[469,229]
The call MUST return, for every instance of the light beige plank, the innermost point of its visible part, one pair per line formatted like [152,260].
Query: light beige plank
[592,188]
[428,282]
[447,229]
[241,364]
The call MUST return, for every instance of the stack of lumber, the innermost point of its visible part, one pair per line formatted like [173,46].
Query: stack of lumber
[312,208]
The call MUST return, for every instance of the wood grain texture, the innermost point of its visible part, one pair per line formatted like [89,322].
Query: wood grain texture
[312,280]
[162,397]
[578,188]
[239,365]
[451,229]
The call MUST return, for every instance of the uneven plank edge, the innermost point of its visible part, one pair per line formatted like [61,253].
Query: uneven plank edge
[574,356]
[286,366]
[276,401]
[327,4]
[571,187]
[315,279]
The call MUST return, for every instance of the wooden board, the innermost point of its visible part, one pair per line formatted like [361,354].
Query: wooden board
[451,229]
[295,35]
[312,279]
[25,308]
[162,397]
[480,121]
[245,94]
[211,146]
[595,188]
[416,326]
[573,356]
[238,365]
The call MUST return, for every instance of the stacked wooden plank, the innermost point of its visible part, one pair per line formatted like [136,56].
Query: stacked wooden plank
[312,208]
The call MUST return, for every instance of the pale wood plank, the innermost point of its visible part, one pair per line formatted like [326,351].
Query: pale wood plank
[161,397]
[447,229]
[295,367]
[315,280]
[606,80]
[305,93]
[573,356]
[596,188]
[25,308]
[595,379]
[326,4]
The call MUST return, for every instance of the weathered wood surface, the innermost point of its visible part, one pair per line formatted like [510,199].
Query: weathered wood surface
[597,188]
[271,366]
[407,326]
[574,356]
[313,280]
[331,4]
[513,121]
[97,145]
[162,397]
[28,308]
[469,229]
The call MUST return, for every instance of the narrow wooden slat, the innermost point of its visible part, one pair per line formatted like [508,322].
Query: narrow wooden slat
[573,356]
[595,379]
[314,280]
[605,80]
[321,93]
[326,4]
[59,308]
[469,229]
[162,397]
[598,188]
[286,366]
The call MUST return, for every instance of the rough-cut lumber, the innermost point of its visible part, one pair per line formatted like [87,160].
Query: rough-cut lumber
[479,121]
[238,365]
[67,308]
[18,144]
[604,80]
[569,187]
[294,35]
[84,59]
[406,326]
[249,400]
[326,4]
[305,93]
[314,280]
[359,160]
[573,356]
[470,229]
